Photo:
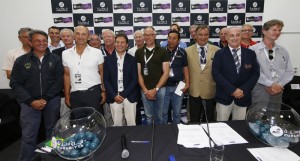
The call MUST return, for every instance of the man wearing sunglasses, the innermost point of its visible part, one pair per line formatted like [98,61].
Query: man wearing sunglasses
[275,65]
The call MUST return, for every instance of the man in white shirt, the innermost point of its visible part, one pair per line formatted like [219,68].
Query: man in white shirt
[55,43]
[139,42]
[13,54]
[83,71]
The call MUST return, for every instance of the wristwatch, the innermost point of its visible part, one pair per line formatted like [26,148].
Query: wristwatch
[156,88]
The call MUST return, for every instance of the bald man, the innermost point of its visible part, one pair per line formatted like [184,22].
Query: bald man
[83,70]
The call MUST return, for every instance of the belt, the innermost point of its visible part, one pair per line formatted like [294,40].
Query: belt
[173,84]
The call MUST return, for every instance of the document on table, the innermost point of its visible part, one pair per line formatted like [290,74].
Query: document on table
[192,136]
[180,86]
[273,154]
[224,133]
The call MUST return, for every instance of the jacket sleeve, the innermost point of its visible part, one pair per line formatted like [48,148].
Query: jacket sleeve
[108,83]
[17,81]
[57,86]
[218,75]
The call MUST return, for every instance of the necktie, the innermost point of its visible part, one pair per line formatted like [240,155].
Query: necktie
[202,55]
[236,59]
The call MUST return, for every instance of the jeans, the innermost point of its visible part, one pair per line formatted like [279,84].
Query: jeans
[176,105]
[30,123]
[154,109]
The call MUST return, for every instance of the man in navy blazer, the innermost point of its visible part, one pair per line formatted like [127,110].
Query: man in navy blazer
[235,70]
[121,82]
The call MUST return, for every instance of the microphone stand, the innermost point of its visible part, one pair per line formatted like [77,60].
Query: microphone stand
[152,138]
[207,133]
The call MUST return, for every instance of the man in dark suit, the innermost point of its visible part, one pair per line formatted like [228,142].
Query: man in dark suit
[235,70]
[121,82]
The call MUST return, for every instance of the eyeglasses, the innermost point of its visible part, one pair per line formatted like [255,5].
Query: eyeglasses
[247,30]
[271,55]
[148,35]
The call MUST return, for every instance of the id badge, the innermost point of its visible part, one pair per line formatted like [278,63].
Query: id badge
[78,78]
[171,74]
[145,70]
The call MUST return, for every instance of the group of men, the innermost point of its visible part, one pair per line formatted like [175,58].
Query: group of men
[112,79]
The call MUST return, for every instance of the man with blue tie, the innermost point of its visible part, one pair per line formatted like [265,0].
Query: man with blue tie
[202,85]
[121,82]
[236,71]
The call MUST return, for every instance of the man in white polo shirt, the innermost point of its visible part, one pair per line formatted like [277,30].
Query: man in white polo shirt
[83,70]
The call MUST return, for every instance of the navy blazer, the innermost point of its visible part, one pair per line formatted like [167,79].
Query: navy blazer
[130,78]
[228,80]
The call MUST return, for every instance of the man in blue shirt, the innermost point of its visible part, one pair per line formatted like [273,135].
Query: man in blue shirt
[178,72]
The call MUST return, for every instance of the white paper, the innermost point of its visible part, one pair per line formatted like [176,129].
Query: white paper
[192,136]
[224,133]
[180,86]
[273,154]
[295,86]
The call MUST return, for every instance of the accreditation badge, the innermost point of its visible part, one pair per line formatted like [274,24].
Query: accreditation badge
[171,74]
[145,70]
[78,78]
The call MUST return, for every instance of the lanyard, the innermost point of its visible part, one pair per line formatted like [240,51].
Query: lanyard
[147,60]
[172,60]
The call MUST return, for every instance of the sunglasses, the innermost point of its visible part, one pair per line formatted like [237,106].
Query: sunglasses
[271,54]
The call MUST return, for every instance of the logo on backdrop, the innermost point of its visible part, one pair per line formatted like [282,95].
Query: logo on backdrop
[103,19]
[235,19]
[215,30]
[142,6]
[236,6]
[257,31]
[180,6]
[102,6]
[199,19]
[83,19]
[122,6]
[254,19]
[199,6]
[160,19]
[142,19]
[218,6]
[254,6]
[125,19]
[63,20]
[162,6]
[61,6]
[82,6]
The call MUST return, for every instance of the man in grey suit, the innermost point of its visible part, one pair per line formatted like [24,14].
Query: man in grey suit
[202,86]
[275,65]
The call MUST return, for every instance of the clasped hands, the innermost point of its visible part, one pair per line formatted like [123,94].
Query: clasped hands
[238,93]
[274,89]
[151,94]
[38,104]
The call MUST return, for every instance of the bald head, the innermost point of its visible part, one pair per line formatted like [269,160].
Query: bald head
[81,34]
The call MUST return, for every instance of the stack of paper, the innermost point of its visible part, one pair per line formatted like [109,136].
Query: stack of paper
[194,136]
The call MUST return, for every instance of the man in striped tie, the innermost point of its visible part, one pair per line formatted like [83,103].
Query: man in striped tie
[236,71]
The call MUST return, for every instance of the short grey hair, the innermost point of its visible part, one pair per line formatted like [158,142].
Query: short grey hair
[109,31]
[66,30]
[24,29]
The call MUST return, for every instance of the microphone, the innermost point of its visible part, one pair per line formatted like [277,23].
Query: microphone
[125,152]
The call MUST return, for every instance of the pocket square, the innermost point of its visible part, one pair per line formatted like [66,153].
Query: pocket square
[248,66]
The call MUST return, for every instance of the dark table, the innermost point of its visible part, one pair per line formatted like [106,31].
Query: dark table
[165,144]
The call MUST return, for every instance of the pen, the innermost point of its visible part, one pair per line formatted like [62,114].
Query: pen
[143,142]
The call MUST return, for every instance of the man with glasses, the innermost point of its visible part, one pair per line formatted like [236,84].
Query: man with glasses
[153,72]
[247,33]
[236,71]
[222,43]
[275,65]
